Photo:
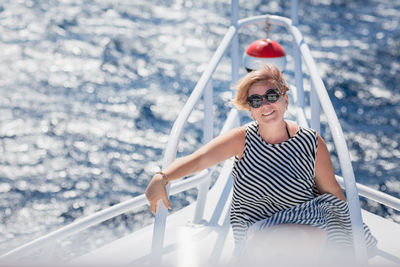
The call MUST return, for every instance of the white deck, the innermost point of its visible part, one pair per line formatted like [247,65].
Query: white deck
[387,233]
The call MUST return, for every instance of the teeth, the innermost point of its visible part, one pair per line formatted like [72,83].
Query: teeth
[269,113]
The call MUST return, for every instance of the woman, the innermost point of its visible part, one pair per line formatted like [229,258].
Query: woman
[283,175]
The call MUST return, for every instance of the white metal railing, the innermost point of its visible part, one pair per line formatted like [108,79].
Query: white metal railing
[99,217]
[375,195]
[208,128]
[139,201]
[319,93]
[235,62]
[75,227]
[199,180]
[175,136]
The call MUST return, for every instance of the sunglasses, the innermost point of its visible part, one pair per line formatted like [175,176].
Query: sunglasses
[255,101]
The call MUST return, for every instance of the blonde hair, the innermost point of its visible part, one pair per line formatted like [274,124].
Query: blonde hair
[268,74]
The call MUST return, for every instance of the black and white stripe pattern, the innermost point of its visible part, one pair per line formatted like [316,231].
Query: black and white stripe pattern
[274,184]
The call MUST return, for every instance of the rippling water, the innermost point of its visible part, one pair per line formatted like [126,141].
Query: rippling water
[89,90]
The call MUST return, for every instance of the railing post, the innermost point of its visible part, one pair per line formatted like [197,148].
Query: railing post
[160,219]
[158,232]
[208,128]
[294,6]
[235,42]
[298,73]
[201,200]
[208,122]
[315,110]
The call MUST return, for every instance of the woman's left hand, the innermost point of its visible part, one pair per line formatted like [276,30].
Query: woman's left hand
[155,191]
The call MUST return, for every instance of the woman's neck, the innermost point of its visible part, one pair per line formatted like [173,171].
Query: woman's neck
[274,133]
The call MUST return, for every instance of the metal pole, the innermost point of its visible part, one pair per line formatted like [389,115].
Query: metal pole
[159,232]
[208,123]
[315,110]
[208,128]
[293,12]
[235,41]
[298,73]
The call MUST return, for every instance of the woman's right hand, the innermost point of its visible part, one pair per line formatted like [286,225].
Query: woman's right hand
[155,191]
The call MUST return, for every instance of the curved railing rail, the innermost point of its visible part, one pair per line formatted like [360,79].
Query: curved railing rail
[97,218]
[176,133]
[375,195]
[139,201]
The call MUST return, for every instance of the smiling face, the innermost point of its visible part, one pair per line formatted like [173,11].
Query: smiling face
[268,112]
[266,74]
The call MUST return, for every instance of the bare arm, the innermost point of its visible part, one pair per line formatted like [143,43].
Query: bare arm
[324,173]
[219,149]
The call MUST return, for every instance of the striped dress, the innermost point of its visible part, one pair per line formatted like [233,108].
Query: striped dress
[274,184]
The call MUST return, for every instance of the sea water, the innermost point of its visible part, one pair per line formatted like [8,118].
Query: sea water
[89,90]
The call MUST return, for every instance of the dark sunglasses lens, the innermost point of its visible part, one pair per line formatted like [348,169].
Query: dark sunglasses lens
[272,96]
[255,101]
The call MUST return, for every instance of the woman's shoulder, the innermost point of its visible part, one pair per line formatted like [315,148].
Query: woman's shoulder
[292,127]
[295,129]
[236,133]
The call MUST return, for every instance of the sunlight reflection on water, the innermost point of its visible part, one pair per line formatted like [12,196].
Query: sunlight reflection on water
[90,89]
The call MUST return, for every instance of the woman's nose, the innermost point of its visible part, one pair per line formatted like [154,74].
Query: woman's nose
[265,102]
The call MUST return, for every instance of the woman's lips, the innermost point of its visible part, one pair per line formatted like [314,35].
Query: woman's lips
[267,113]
